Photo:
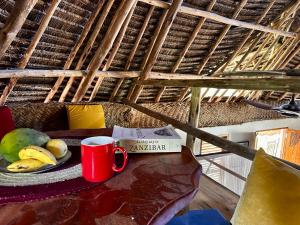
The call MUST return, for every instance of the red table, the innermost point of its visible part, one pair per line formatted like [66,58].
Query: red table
[151,190]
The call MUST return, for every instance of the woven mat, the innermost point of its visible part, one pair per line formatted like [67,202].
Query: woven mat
[28,187]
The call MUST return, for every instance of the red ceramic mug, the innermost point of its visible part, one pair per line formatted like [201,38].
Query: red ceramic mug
[98,158]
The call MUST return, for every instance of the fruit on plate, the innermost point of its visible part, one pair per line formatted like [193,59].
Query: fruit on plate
[39,153]
[17,139]
[57,147]
[25,165]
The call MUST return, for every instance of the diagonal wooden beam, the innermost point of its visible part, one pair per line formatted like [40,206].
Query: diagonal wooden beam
[221,19]
[75,49]
[184,51]
[112,54]
[172,12]
[133,51]
[153,40]
[87,49]
[230,146]
[35,40]
[14,23]
[241,44]
[220,38]
[105,47]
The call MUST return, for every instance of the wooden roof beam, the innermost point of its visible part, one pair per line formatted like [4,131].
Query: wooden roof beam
[34,42]
[172,12]
[153,40]
[241,44]
[220,38]
[112,54]
[104,47]
[132,53]
[14,23]
[290,84]
[221,19]
[184,51]
[75,49]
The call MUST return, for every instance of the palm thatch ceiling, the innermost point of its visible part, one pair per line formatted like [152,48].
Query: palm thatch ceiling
[96,50]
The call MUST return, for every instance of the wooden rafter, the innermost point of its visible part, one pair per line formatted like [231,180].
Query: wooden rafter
[153,40]
[112,54]
[172,12]
[104,47]
[220,38]
[221,19]
[35,40]
[133,51]
[242,43]
[75,49]
[184,51]
[14,23]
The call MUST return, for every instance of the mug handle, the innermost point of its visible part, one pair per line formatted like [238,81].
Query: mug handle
[125,155]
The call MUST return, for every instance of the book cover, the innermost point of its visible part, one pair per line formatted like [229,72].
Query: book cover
[148,140]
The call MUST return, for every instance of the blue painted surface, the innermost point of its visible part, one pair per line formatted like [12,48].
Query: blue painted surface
[200,217]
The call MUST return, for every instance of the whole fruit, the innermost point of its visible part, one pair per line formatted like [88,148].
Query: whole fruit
[57,147]
[17,139]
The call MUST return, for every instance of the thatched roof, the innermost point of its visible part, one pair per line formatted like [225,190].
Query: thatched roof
[249,35]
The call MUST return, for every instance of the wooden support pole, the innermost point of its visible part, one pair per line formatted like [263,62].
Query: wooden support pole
[291,84]
[172,12]
[105,47]
[34,42]
[230,146]
[75,49]
[194,115]
[221,19]
[14,23]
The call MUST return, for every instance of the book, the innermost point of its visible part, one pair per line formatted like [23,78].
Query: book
[148,140]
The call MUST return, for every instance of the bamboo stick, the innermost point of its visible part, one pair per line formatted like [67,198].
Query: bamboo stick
[183,94]
[221,95]
[75,49]
[105,47]
[133,51]
[172,12]
[212,97]
[14,23]
[35,40]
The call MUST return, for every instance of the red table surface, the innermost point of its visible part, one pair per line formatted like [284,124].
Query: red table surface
[151,190]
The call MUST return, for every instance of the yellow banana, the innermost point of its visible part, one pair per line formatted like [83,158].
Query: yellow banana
[57,147]
[39,153]
[25,165]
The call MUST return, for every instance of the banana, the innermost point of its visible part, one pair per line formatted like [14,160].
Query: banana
[57,147]
[39,153]
[25,165]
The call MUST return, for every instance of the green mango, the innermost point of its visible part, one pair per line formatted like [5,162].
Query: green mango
[17,139]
